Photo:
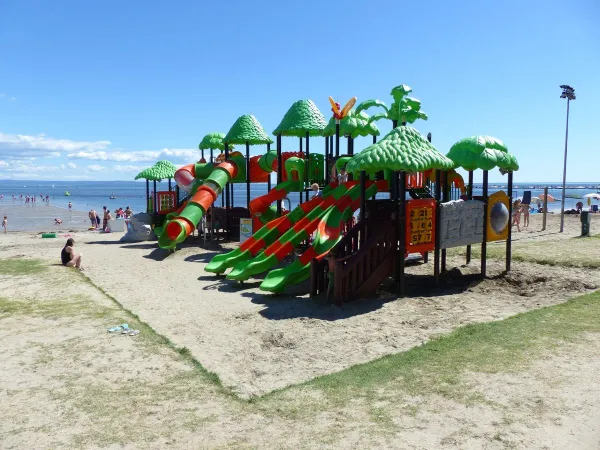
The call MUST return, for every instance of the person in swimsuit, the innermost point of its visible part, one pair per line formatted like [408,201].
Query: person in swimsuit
[92,216]
[516,219]
[68,256]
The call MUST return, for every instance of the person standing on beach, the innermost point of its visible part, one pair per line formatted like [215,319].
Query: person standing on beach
[525,210]
[516,220]
[70,206]
[5,223]
[92,216]
[128,213]
[106,218]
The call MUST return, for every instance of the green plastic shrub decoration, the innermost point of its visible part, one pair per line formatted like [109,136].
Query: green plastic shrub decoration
[247,129]
[402,149]
[162,170]
[482,152]
[302,116]
[353,124]
[213,141]
[403,109]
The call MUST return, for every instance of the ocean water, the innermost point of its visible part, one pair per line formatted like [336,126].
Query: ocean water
[85,195]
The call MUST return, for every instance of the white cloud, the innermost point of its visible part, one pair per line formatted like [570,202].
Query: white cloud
[3,163]
[95,167]
[128,168]
[184,155]
[71,165]
[19,146]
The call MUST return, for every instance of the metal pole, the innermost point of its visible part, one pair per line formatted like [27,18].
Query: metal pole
[248,175]
[326,160]
[484,243]
[211,156]
[562,202]
[269,177]
[445,199]
[147,195]
[374,139]
[509,237]
[545,208]
[202,153]
[438,226]
[279,169]
[337,138]
[307,170]
[154,197]
[227,195]
[401,227]
[469,197]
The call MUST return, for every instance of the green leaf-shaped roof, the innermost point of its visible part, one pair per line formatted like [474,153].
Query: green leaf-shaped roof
[482,152]
[247,129]
[162,170]
[302,116]
[353,125]
[403,148]
[212,141]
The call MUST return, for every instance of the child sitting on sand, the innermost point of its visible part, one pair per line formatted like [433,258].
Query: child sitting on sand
[57,222]
[5,223]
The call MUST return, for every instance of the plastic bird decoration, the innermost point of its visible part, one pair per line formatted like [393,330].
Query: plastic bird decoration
[335,107]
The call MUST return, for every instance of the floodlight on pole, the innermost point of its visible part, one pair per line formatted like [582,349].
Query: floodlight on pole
[568,93]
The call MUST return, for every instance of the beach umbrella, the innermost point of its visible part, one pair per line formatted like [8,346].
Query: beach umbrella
[550,199]
[590,197]
[535,199]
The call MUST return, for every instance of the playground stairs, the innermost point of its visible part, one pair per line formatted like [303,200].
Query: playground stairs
[364,258]
[422,192]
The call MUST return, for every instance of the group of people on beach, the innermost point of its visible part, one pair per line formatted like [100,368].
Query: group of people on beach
[106,216]
[518,209]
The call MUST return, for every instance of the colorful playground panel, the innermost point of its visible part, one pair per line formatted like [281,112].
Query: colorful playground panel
[420,225]
[461,223]
[497,217]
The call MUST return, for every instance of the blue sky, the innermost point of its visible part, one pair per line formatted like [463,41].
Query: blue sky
[100,90]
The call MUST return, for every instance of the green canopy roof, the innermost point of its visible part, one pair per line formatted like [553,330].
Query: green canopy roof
[162,170]
[353,125]
[303,116]
[482,152]
[404,149]
[212,141]
[247,129]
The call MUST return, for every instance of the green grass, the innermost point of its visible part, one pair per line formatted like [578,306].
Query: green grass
[77,305]
[438,366]
[574,253]
[22,266]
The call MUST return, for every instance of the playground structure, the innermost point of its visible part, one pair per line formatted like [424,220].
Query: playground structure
[350,260]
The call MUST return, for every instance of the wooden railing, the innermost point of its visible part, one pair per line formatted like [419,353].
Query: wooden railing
[360,274]
[349,244]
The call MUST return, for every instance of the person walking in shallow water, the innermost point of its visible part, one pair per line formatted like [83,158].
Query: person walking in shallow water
[5,223]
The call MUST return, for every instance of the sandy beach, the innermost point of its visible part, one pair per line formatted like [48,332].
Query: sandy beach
[146,391]
[256,342]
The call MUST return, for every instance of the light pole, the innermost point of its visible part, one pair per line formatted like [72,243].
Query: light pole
[568,93]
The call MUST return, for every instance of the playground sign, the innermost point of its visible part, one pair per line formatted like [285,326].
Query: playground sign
[420,225]
[245,229]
